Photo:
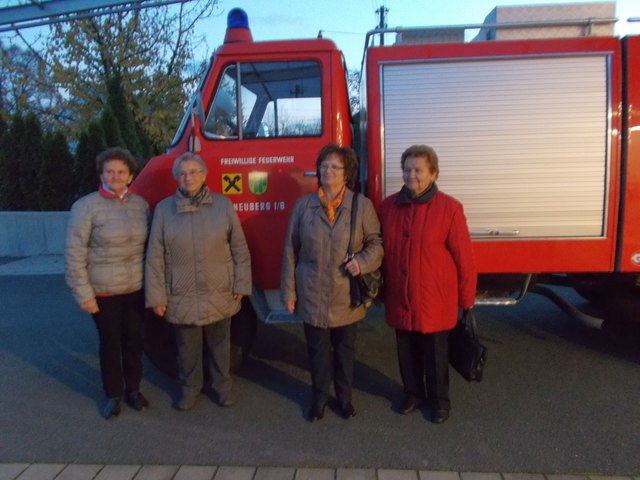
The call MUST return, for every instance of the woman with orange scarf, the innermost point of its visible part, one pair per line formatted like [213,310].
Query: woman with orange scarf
[316,271]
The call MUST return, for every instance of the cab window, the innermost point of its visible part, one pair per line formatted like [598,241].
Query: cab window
[267,100]
[222,119]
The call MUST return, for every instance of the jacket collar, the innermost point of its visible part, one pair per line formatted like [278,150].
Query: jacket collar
[186,204]
[106,193]
[346,200]
[404,195]
[343,209]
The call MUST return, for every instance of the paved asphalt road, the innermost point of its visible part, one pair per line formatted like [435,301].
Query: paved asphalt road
[556,398]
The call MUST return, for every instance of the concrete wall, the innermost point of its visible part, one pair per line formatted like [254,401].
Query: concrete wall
[24,234]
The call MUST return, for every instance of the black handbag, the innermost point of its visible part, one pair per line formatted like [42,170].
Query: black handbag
[365,287]
[466,354]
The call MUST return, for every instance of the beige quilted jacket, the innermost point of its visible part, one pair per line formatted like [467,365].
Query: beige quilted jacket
[105,245]
[196,260]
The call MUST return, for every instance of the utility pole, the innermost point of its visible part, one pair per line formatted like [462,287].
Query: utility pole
[382,13]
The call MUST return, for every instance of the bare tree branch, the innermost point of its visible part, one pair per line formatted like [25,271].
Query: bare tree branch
[152,50]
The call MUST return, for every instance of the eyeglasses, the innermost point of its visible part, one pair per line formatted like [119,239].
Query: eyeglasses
[333,168]
[189,173]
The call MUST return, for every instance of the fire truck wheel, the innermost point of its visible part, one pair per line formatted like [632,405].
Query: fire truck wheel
[620,300]
[243,333]
[623,308]
[594,295]
[160,344]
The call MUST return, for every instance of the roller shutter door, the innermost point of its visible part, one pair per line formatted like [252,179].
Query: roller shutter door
[522,142]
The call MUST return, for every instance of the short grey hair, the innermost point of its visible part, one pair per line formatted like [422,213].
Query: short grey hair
[185,157]
[422,151]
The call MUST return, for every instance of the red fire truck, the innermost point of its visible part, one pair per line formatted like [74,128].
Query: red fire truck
[539,139]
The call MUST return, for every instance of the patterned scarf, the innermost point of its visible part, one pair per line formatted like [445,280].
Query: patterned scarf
[405,196]
[330,206]
[198,197]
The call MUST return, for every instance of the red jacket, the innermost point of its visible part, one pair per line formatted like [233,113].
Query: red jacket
[428,264]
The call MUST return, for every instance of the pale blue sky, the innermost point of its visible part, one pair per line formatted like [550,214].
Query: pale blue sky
[347,21]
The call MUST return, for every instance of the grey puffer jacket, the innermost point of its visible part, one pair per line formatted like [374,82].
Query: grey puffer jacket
[312,273]
[197,259]
[106,238]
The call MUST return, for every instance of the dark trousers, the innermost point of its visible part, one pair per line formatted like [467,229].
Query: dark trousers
[424,362]
[119,324]
[212,341]
[331,355]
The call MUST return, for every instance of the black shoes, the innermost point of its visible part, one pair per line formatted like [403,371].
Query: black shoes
[348,411]
[136,400]
[111,408]
[410,405]
[440,416]
[317,411]
[318,408]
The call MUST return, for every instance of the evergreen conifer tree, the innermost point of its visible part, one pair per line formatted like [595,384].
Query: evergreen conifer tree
[12,199]
[126,119]
[90,144]
[29,158]
[111,128]
[4,162]
[56,174]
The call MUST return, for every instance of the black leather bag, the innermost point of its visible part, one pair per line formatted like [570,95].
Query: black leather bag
[466,354]
[365,287]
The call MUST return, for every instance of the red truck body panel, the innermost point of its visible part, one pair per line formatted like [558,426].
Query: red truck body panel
[629,252]
[285,165]
[522,255]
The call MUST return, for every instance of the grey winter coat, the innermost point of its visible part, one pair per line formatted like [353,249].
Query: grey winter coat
[312,273]
[106,237]
[196,260]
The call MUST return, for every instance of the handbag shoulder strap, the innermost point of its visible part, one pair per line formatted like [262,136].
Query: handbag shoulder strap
[354,207]
[469,321]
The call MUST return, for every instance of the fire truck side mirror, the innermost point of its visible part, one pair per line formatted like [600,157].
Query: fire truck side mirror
[197,120]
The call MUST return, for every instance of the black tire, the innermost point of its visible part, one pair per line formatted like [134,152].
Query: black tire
[244,325]
[593,294]
[160,342]
[618,297]
[623,307]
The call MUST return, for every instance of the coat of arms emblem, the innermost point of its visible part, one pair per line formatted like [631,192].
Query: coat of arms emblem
[258,182]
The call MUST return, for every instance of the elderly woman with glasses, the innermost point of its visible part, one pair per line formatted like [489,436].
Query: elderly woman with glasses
[316,270]
[197,270]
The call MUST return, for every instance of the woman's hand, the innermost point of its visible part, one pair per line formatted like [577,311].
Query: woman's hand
[352,266]
[237,296]
[290,305]
[90,306]
[160,310]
